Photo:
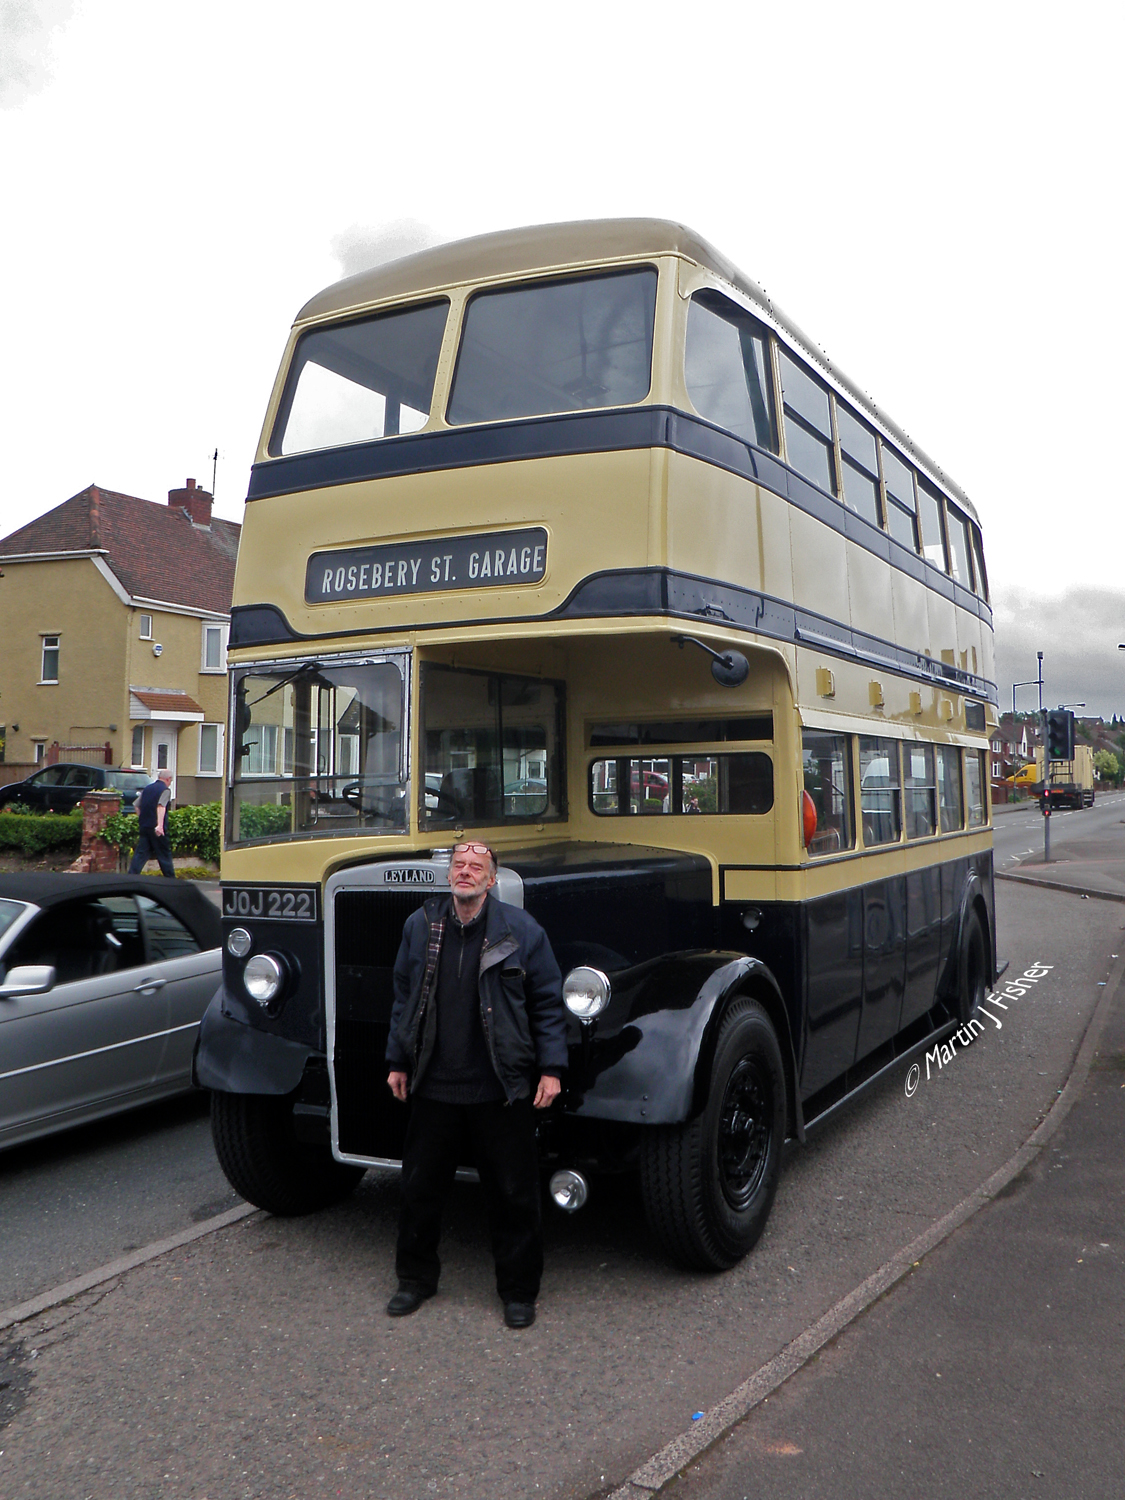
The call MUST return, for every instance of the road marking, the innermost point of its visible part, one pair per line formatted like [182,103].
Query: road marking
[676,1456]
[123,1263]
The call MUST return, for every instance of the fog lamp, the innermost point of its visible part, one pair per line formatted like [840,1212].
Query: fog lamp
[239,943]
[570,1190]
[586,992]
[263,977]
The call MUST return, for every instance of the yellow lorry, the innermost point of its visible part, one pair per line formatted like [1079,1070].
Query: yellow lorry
[1068,783]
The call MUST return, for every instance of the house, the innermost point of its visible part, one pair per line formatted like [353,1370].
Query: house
[114,616]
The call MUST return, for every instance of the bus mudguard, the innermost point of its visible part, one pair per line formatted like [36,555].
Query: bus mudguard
[650,1065]
[232,1057]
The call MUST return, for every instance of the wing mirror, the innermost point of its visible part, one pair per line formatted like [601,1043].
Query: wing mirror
[28,979]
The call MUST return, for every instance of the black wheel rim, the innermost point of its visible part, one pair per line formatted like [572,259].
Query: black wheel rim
[744,1132]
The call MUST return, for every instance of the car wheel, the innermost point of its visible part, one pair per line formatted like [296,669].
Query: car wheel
[267,1165]
[972,968]
[708,1184]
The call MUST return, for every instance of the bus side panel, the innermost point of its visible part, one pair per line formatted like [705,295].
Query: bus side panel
[927,935]
[884,962]
[833,929]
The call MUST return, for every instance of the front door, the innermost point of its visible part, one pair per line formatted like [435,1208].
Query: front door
[164,737]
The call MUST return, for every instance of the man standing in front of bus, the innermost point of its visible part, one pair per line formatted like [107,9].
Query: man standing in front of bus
[478,1042]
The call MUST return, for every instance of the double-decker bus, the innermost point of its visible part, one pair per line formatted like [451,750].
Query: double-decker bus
[567,539]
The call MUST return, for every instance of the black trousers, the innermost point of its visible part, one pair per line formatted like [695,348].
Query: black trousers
[502,1141]
[152,845]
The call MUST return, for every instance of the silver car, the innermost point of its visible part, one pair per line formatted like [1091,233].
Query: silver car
[103,981]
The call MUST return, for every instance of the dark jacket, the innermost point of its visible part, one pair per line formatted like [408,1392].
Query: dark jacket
[520,990]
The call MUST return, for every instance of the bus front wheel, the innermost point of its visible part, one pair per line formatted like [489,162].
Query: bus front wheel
[972,970]
[708,1184]
[267,1165]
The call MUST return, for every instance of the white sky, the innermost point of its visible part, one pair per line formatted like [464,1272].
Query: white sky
[932,193]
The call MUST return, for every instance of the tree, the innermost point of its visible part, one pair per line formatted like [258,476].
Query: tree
[1107,766]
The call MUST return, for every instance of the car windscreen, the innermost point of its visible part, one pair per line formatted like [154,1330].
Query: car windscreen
[555,346]
[354,382]
[319,750]
[9,911]
[126,781]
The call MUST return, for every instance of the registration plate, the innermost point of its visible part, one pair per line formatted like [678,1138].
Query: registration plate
[271,903]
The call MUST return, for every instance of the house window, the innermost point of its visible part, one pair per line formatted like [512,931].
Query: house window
[50,671]
[137,753]
[146,627]
[39,748]
[214,648]
[162,756]
[210,750]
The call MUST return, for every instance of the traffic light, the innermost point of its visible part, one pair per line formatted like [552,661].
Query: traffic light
[1060,734]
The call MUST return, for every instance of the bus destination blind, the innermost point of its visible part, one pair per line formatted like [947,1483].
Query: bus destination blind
[439,565]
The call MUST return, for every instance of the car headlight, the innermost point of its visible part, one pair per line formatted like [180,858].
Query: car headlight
[263,977]
[586,992]
[239,943]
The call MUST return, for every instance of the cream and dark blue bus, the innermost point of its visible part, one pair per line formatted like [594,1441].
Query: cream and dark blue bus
[565,538]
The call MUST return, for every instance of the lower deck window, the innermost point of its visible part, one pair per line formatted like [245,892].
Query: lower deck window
[949,787]
[920,790]
[826,765]
[624,785]
[975,784]
[879,790]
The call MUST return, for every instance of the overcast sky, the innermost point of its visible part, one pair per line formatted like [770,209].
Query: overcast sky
[932,193]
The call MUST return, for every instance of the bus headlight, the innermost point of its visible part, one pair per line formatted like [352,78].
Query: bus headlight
[586,992]
[239,942]
[263,977]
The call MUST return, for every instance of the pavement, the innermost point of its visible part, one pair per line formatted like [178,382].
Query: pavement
[995,1367]
[986,1359]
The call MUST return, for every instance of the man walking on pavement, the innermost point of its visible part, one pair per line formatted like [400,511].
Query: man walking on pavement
[152,808]
[478,1042]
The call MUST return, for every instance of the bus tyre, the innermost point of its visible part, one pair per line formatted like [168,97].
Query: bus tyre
[267,1165]
[972,968]
[708,1184]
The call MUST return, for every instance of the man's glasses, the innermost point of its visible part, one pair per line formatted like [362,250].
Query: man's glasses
[474,849]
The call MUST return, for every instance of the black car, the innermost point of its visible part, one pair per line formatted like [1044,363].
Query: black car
[60,788]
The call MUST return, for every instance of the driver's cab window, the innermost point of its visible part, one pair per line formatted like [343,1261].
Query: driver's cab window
[83,939]
[492,747]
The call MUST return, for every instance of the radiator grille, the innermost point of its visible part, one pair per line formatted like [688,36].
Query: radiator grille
[368,933]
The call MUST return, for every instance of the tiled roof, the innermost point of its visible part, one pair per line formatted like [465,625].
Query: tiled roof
[168,702]
[153,549]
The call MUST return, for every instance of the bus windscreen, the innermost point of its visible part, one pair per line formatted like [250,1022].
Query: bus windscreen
[354,382]
[555,346]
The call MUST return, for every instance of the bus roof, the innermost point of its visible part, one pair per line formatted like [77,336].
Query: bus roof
[585,242]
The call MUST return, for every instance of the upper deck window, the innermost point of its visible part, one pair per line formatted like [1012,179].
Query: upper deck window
[959,553]
[808,425]
[978,559]
[902,515]
[929,513]
[727,369]
[860,477]
[358,381]
[555,346]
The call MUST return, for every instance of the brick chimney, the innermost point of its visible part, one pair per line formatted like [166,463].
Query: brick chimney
[195,501]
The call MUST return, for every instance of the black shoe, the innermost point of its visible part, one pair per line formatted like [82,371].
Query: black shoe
[519,1314]
[409,1299]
